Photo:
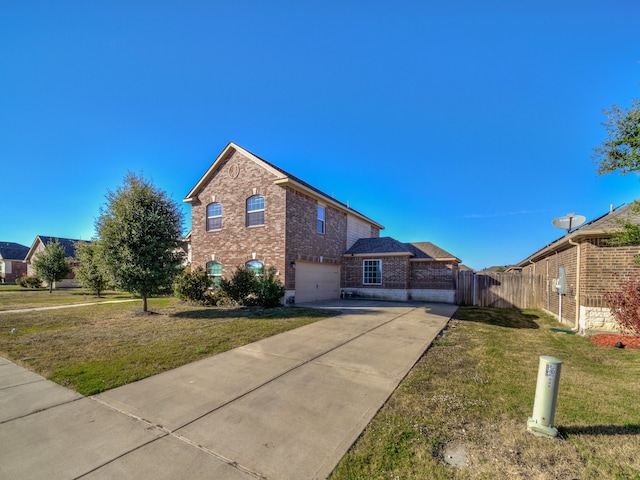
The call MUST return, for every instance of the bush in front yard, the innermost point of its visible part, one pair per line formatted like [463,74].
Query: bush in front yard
[193,286]
[29,281]
[625,305]
[240,286]
[268,289]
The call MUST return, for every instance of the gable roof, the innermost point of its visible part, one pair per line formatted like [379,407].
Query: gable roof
[68,244]
[601,227]
[387,246]
[13,251]
[282,178]
[433,251]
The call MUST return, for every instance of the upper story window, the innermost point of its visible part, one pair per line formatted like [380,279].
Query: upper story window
[320,219]
[255,211]
[214,216]
[256,266]
[214,270]
[372,272]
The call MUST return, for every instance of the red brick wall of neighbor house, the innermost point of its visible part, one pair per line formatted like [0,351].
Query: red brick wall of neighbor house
[433,275]
[236,180]
[549,268]
[602,269]
[608,267]
[395,272]
[303,240]
[18,269]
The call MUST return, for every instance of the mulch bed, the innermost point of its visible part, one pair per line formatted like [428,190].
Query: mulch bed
[608,340]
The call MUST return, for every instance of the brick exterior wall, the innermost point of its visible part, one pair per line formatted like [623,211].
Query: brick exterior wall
[303,242]
[18,269]
[237,179]
[602,269]
[402,279]
[433,275]
[395,272]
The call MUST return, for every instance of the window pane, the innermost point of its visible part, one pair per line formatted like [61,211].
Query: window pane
[320,225]
[372,272]
[255,203]
[214,216]
[255,218]
[214,223]
[256,266]
[214,210]
[214,268]
[255,211]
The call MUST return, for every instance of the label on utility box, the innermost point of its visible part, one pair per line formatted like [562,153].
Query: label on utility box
[551,372]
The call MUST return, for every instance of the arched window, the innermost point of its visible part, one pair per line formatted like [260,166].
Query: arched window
[256,266]
[214,216]
[214,270]
[255,211]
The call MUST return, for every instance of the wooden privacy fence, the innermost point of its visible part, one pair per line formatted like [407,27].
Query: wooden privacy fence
[500,290]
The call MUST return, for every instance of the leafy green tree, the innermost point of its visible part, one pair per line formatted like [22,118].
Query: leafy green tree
[140,228]
[50,264]
[621,149]
[91,270]
[621,152]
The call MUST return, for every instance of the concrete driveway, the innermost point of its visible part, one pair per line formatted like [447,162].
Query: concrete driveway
[286,407]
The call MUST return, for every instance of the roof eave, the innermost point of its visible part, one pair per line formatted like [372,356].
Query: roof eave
[564,243]
[374,254]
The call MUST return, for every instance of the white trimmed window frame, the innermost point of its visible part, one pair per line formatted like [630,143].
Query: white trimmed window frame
[372,272]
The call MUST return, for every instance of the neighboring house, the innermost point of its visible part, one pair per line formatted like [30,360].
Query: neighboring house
[12,264]
[69,245]
[248,212]
[580,268]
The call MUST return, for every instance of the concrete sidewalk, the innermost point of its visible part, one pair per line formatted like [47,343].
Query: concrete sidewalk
[286,407]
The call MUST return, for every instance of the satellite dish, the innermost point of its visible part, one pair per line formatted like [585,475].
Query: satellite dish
[569,221]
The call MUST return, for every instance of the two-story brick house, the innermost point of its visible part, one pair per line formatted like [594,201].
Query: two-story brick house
[248,212]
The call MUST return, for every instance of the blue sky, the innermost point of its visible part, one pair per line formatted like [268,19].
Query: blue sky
[470,126]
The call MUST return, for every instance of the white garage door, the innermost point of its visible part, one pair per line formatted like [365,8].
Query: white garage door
[317,281]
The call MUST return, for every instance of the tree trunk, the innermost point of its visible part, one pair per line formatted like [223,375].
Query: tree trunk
[50,287]
[144,303]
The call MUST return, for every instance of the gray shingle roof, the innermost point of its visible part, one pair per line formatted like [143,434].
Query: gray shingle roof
[69,244]
[388,245]
[13,251]
[378,245]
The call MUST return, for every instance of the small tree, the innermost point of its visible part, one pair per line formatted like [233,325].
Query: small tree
[50,264]
[91,271]
[625,305]
[240,286]
[140,229]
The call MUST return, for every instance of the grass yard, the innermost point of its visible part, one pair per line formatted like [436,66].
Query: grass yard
[95,348]
[468,399]
[14,297]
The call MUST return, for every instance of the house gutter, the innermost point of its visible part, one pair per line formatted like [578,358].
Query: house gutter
[576,326]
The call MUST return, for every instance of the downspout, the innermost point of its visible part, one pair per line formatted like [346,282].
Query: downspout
[578,265]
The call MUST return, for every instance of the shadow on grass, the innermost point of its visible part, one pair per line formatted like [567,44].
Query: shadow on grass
[501,317]
[253,313]
[628,429]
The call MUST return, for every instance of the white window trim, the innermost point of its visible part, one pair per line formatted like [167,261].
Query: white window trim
[364,271]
